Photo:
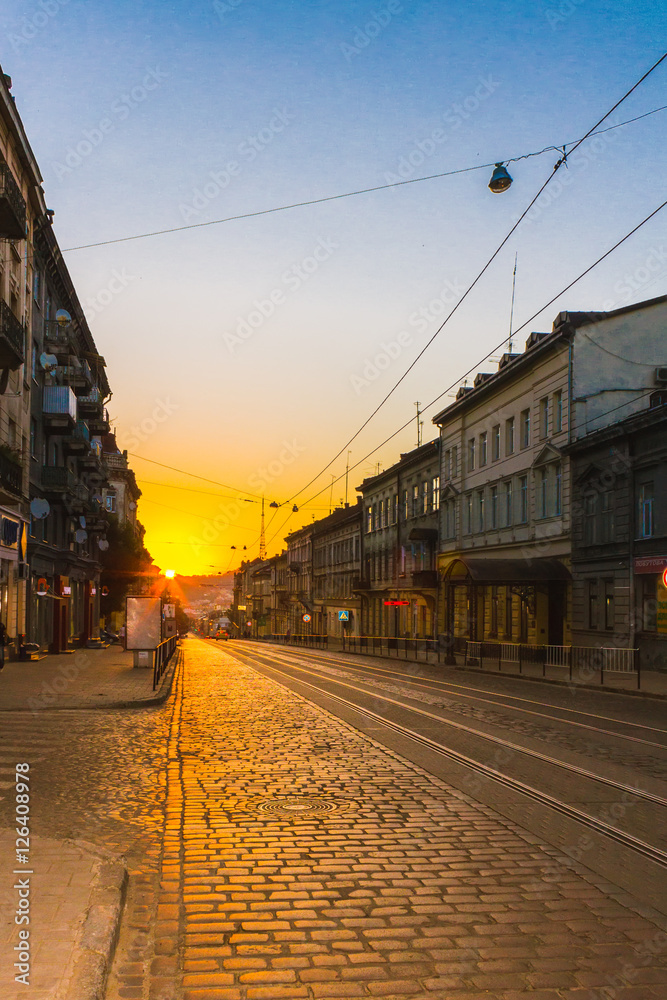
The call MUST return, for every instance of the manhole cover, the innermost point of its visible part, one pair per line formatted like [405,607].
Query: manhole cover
[292,805]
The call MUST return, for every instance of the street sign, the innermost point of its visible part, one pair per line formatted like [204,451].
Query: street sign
[305,618]
[169,610]
[396,604]
[343,616]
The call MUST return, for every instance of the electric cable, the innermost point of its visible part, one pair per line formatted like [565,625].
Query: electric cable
[559,163]
[369,190]
[194,475]
[491,352]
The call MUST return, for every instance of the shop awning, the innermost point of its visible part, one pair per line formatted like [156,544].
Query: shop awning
[482,570]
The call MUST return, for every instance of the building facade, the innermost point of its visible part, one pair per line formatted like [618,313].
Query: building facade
[336,543]
[398,586]
[619,543]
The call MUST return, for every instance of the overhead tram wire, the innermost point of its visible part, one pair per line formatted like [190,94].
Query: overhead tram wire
[558,164]
[493,350]
[194,475]
[360,191]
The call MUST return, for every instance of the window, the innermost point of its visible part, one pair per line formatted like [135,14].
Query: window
[509,436]
[406,505]
[494,507]
[647,593]
[415,500]
[450,519]
[395,516]
[468,510]
[455,461]
[592,604]
[35,351]
[525,428]
[606,516]
[558,489]
[424,509]
[589,532]
[523,499]
[369,520]
[542,495]
[471,454]
[544,417]
[609,605]
[495,443]
[380,513]
[480,510]
[447,464]
[110,502]
[36,286]
[482,449]
[494,611]
[558,411]
[509,500]
[435,492]
[646,510]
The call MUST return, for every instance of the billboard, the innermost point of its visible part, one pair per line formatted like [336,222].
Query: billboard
[144,622]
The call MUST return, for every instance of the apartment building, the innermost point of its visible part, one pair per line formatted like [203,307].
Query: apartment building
[398,586]
[506,485]
[336,543]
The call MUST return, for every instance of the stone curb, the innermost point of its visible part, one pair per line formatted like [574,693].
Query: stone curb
[157,699]
[96,945]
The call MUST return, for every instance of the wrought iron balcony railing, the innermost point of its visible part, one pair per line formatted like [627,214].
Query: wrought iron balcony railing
[13,216]
[12,339]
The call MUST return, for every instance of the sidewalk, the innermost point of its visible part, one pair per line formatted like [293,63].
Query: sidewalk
[88,678]
[76,898]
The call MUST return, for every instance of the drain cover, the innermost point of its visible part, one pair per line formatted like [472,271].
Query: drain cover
[292,805]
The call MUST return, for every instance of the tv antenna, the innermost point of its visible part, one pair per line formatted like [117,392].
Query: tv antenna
[420,425]
[262,535]
[516,255]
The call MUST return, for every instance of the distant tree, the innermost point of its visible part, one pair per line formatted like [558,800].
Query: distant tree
[183,622]
[125,564]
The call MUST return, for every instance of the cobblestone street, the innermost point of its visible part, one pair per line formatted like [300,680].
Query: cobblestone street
[304,860]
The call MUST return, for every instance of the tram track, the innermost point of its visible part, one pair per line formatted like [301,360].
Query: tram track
[526,801]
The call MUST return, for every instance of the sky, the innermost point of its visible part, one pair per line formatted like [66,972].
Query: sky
[249,352]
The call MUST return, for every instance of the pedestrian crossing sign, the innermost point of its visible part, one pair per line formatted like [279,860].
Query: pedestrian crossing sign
[343,616]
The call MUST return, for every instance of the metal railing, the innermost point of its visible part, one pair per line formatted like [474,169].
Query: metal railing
[163,653]
[387,645]
[14,224]
[13,332]
[586,659]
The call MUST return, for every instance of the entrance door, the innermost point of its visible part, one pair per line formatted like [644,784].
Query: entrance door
[556,613]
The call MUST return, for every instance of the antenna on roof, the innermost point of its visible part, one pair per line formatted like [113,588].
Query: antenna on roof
[516,255]
[420,424]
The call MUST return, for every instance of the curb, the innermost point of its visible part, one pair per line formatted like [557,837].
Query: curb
[157,699]
[96,945]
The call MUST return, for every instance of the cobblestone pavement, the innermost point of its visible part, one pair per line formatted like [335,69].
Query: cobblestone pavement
[303,860]
[596,746]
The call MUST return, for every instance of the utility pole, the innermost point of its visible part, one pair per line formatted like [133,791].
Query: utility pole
[262,536]
[333,480]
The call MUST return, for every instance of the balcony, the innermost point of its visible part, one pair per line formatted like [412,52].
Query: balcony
[11,476]
[12,207]
[78,442]
[425,579]
[12,339]
[77,375]
[58,480]
[59,407]
[91,403]
[58,340]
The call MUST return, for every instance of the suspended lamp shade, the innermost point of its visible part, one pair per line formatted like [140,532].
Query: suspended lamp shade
[500,180]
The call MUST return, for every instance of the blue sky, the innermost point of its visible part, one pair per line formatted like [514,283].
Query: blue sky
[195,112]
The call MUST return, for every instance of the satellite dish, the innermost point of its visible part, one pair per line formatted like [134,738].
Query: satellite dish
[40,508]
[103,544]
[63,318]
[82,521]
[80,535]
[48,361]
